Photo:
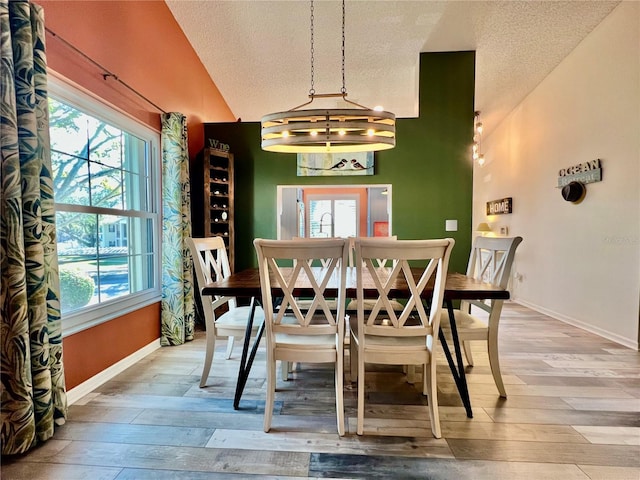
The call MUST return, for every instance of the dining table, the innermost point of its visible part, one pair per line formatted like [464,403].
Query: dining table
[246,284]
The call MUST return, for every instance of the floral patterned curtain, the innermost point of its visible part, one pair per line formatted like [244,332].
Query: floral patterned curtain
[177,286]
[33,393]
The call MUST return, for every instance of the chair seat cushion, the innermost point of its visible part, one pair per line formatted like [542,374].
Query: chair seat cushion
[238,317]
[305,342]
[467,324]
[308,343]
[378,342]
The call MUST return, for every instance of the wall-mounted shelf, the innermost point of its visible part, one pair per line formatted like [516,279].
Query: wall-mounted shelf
[213,198]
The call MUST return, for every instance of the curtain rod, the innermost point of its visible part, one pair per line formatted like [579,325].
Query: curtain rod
[106,73]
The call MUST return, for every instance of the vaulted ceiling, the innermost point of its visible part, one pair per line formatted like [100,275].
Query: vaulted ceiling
[258,52]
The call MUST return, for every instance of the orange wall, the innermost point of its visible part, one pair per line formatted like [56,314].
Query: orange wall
[90,351]
[141,43]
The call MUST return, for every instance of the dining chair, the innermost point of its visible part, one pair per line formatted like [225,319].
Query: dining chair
[211,264]
[304,303]
[323,262]
[378,262]
[383,335]
[314,333]
[490,260]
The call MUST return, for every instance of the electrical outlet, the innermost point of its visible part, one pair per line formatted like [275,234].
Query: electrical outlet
[504,231]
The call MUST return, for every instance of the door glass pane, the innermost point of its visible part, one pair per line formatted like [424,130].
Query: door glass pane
[345,218]
[333,218]
[320,219]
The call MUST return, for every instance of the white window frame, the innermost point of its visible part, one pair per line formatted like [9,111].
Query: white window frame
[92,315]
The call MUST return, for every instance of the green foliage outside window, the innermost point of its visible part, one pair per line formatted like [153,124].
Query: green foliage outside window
[76,288]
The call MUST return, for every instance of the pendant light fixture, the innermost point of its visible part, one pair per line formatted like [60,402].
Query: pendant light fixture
[358,129]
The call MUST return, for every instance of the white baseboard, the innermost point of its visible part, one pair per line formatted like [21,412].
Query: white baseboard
[107,374]
[626,342]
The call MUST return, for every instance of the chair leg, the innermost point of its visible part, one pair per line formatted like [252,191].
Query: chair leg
[229,347]
[360,425]
[353,360]
[466,346]
[339,374]
[494,362]
[411,374]
[285,368]
[271,391]
[208,356]
[432,387]
[425,381]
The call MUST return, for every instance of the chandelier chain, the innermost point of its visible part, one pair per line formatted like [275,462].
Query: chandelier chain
[312,90]
[344,87]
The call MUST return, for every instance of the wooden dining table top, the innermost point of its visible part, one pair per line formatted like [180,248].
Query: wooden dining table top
[246,283]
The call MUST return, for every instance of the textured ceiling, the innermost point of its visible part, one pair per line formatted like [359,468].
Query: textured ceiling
[258,52]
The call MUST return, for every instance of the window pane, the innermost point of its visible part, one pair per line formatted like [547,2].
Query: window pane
[143,263]
[135,154]
[113,268]
[140,237]
[106,186]
[134,187]
[142,272]
[113,276]
[68,129]
[113,235]
[105,144]
[77,256]
[71,179]
[77,234]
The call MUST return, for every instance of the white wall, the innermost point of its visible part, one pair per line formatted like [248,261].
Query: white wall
[578,262]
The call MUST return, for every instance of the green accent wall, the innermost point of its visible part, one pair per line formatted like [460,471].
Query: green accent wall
[430,168]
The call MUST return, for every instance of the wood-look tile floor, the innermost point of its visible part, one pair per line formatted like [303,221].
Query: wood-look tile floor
[573,412]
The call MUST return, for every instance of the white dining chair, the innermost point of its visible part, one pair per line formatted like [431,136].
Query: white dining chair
[302,302]
[314,333]
[378,262]
[383,335]
[211,264]
[490,260]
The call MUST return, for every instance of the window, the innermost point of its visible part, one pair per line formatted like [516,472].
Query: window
[105,171]
[333,216]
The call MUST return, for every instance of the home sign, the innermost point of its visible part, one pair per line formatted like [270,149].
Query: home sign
[498,207]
